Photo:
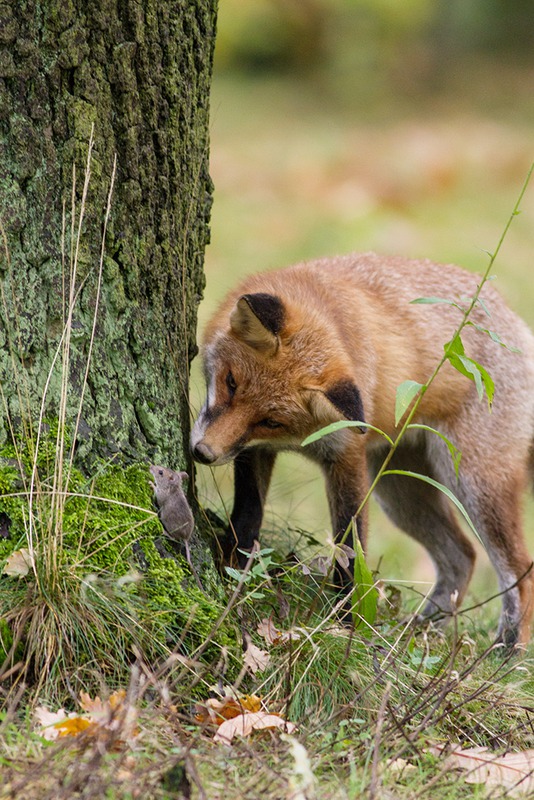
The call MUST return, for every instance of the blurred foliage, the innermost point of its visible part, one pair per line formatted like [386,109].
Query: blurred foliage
[416,36]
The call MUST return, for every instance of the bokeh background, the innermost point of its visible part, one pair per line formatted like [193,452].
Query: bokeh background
[341,125]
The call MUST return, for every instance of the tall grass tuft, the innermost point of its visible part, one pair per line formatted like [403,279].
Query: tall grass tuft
[63,625]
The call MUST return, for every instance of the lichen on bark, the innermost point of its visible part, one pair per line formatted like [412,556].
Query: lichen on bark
[139,74]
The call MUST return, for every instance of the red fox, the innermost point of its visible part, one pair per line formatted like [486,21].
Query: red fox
[293,350]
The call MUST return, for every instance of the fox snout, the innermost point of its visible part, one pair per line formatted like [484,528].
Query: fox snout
[202,453]
[200,450]
[209,446]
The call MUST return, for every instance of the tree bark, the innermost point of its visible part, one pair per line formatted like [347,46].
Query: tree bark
[139,72]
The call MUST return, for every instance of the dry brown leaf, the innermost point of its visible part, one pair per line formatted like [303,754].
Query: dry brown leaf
[513,771]
[246,723]
[268,631]
[255,660]
[18,563]
[217,711]
[401,765]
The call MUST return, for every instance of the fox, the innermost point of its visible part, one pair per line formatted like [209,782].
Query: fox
[290,351]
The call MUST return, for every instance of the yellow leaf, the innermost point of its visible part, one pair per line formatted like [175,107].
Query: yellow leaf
[73,726]
[55,724]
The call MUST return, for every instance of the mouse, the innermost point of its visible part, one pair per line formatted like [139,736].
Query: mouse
[174,511]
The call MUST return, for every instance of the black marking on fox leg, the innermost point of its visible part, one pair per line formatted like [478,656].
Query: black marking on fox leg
[252,474]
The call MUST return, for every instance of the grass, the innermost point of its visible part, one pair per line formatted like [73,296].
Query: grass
[368,710]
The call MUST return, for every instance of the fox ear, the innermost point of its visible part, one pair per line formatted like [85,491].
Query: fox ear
[346,399]
[258,319]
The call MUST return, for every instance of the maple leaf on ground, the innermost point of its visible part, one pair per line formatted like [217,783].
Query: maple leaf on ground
[246,723]
[512,771]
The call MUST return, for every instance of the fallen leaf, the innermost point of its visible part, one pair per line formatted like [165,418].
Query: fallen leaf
[55,724]
[401,765]
[72,726]
[268,631]
[246,723]
[255,660]
[18,563]
[512,771]
[217,711]
[101,718]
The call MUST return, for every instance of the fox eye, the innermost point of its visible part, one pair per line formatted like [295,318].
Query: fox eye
[231,384]
[270,423]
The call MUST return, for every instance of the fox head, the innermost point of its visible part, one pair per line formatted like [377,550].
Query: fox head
[274,375]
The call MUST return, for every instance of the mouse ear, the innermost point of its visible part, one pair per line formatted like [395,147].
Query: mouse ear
[183,475]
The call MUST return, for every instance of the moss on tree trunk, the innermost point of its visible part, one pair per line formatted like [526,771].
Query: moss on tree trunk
[140,74]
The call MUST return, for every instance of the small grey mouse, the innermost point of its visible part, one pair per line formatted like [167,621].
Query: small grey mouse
[173,509]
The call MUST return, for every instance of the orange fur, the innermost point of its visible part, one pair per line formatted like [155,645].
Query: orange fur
[290,351]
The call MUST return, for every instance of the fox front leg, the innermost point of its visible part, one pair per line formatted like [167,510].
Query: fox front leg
[346,485]
[252,475]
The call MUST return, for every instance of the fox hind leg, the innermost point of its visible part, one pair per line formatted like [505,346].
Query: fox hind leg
[424,513]
[495,508]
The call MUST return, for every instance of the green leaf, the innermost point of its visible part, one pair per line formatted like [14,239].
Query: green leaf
[406,392]
[455,347]
[433,301]
[481,376]
[236,574]
[493,336]
[442,488]
[337,426]
[455,353]
[483,305]
[456,454]
[364,595]
[468,368]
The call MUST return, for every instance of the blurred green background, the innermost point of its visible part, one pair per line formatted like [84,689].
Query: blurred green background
[341,125]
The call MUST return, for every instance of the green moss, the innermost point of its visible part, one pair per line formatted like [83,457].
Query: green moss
[112,557]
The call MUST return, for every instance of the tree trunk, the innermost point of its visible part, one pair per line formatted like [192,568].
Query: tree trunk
[140,74]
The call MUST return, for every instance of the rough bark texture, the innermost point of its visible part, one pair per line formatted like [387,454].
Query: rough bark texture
[140,73]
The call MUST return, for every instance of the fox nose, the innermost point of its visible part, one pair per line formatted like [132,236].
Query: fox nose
[203,453]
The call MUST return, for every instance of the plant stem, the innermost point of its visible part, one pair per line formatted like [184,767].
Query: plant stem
[447,349]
